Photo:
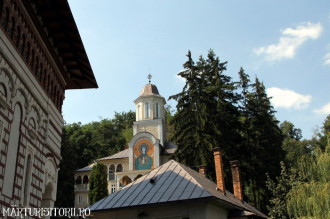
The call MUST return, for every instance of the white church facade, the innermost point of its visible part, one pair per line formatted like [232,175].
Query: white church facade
[147,150]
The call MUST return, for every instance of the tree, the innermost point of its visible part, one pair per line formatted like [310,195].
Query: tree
[310,197]
[262,140]
[292,145]
[289,131]
[98,183]
[279,190]
[206,114]
[65,194]
[82,144]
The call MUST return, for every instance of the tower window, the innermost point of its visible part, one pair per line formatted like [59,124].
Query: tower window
[147,110]
[138,112]
[157,110]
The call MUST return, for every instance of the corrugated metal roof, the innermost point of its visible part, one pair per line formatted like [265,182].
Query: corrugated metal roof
[168,183]
[119,155]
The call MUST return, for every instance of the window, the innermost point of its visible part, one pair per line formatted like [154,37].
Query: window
[146,110]
[113,188]
[78,180]
[11,158]
[157,110]
[119,168]
[112,172]
[80,198]
[138,113]
[85,179]
[27,181]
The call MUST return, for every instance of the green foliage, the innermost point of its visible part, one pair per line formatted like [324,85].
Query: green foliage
[279,190]
[292,145]
[98,183]
[304,191]
[82,144]
[261,139]
[289,131]
[213,111]
[206,101]
[310,197]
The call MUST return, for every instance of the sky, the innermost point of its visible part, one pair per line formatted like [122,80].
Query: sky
[286,44]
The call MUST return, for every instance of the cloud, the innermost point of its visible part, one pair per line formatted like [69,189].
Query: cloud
[179,78]
[323,110]
[327,59]
[288,99]
[290,41]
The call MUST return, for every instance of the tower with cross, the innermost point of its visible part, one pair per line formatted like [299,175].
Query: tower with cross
[149,129]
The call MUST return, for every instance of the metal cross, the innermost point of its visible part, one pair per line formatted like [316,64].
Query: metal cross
[149,77]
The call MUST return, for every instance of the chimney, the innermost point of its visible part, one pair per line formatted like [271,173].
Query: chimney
[238,192]
[219,169]
[202,170]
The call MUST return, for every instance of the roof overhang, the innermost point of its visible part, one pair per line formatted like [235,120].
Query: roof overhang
[58,28]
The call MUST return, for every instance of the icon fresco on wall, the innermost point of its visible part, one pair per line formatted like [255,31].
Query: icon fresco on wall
[143,156]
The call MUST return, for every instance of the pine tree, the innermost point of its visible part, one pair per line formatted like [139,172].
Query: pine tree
[98,183]
[206,113]
[264,139]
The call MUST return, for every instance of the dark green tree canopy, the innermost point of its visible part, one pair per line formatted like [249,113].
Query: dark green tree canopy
[98,183]
[214,111]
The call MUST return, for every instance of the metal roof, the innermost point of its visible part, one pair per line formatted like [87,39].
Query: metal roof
[119,155]
[170,182]
[87,168]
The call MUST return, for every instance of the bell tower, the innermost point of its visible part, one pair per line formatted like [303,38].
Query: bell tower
[150,113]
[149,129]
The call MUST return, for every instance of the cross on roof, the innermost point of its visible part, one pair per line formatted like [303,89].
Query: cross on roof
[149,77]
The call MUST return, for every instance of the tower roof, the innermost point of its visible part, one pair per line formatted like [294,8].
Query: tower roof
[149,90]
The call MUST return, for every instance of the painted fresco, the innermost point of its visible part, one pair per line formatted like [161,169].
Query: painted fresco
[143,155]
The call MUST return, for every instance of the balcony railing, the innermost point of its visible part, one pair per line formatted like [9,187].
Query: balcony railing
[81,187]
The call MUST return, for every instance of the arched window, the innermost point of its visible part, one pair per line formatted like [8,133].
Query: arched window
[157,110]
[138,113]
[78,180]
[11,158]
[27,181]
[112,172]
[138,176]
[124,181]
[146,110]
[119,168]
[85,179]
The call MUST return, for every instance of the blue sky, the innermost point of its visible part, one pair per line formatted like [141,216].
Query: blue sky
[285,43]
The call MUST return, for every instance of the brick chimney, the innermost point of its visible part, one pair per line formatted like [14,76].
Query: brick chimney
[202,170]
[219,169]
[238,192]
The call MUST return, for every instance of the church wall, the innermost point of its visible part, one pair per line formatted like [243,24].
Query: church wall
[40,99]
